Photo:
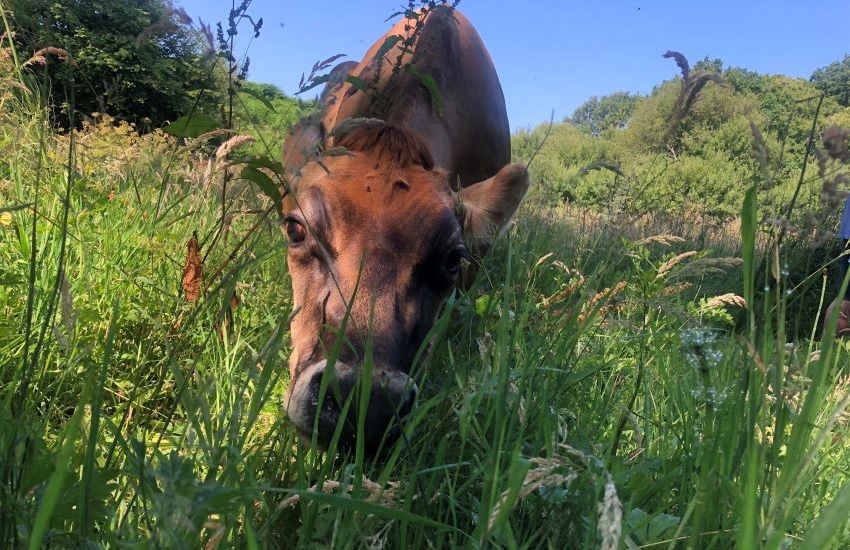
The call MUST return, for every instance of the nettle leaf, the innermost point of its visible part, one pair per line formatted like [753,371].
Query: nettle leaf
[358,83]
[262,162]
[259,97]
[191,126]
[313,83]
[408,14]
[263,181]
[324,64]
[430,85]
[388,44]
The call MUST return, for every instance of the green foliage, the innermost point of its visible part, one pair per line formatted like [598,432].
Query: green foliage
[265,112]
[598,114]
[651,119]
[705,166]
[138,61]
[834,81]
[594,387]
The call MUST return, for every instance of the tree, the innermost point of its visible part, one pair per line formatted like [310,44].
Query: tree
[709,65]
[834,81]
[139,60]
[598,114]
[264,111]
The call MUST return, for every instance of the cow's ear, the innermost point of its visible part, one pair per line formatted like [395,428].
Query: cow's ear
[303,144]
[487,207]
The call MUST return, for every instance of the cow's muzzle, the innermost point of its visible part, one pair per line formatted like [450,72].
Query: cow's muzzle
[391,397]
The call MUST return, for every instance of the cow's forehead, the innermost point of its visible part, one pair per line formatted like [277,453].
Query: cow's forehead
[357,190]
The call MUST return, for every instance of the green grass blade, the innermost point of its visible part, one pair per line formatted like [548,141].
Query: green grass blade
[832,519]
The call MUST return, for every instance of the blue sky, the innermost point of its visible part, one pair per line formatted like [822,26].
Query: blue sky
[554,54]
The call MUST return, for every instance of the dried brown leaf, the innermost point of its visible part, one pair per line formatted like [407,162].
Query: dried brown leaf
[193,271]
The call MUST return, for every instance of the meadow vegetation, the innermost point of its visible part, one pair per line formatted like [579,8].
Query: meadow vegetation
[637,365]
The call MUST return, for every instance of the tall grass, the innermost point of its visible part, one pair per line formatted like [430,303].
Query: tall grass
[580,394]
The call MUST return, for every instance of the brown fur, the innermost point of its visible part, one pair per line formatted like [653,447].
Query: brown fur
[391,146]
[383,236]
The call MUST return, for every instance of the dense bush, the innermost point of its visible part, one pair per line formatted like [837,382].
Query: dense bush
[140,61]
[622,146]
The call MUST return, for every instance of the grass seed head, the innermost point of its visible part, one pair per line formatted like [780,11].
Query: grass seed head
[231,144]
[610,524]
[673,262]
[728,299]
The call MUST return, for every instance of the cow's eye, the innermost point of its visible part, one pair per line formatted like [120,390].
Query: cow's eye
[295,232]
[454,259]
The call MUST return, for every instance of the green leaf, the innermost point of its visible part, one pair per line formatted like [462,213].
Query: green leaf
[251,536]
[259,97]
[427,81]
[191,126]
[313,83]
[482,303]
[748,238]
[830,522]
[265,183]
[388,44]
[358,83]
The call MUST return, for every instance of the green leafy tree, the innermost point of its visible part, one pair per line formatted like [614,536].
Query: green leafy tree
[651,118]
[834,81]
[705,167]
[140,61]
[265,112]
[709,65]
[599,114]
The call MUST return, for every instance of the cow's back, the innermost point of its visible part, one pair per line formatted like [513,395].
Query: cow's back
[463,121]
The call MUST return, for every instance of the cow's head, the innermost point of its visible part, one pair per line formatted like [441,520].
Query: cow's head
[376,241]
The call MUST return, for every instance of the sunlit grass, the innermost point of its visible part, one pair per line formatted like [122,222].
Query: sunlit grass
[579,394]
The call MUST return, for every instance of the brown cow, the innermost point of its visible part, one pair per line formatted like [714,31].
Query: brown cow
[378,230]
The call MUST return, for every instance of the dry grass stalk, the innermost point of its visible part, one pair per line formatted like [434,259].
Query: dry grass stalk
[543,259]
[692,85]
[831,157]
[376,494]
[702,267]
[231,144]
[218,531]
[607,295]
[677,288]
[11,82]
[841,391]
[565,292]
[728,299]
[610,525]
[39,58]
[542,475]
[665,239]
[673,262]
[209,172]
